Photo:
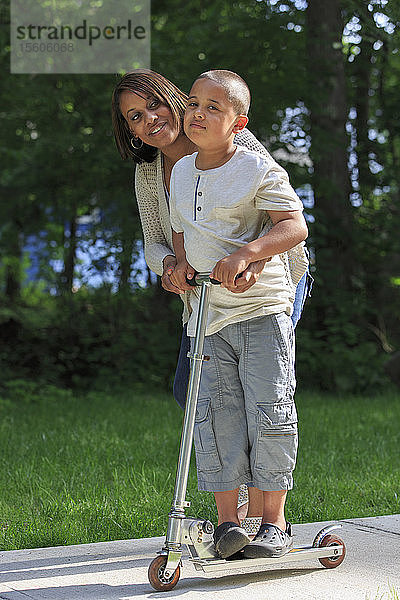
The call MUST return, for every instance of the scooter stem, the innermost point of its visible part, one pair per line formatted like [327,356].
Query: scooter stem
[177,513]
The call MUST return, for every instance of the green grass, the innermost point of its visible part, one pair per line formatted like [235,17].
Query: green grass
[101,466]
[390,595]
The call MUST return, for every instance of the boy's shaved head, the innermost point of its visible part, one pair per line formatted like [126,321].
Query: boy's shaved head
[235,87]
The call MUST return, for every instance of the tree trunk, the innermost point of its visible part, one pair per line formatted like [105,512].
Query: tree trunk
[327,102]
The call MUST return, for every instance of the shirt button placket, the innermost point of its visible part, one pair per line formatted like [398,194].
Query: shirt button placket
[199,195]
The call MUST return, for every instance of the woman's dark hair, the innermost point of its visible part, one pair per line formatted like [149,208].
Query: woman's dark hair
[148,83]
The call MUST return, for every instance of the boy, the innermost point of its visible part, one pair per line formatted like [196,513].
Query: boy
[246,422]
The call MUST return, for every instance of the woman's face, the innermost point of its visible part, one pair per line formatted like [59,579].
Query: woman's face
[149,119]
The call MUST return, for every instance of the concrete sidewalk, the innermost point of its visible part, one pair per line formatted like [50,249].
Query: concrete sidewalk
[118,570]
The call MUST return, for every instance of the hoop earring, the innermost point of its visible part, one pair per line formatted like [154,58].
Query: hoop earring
[136,143]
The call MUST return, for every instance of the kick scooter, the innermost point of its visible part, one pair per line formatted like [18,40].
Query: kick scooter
[197,534]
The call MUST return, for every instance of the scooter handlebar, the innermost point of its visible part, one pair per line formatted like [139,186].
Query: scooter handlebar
[198,279]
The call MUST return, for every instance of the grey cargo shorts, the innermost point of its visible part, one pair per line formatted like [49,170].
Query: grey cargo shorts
[246,420]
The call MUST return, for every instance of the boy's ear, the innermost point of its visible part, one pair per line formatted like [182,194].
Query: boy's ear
[240,123]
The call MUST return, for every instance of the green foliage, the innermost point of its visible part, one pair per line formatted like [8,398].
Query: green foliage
[337,347]
[338,362]
[93,338]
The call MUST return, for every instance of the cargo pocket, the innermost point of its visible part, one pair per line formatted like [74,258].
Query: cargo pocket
[276,437]
[207,457]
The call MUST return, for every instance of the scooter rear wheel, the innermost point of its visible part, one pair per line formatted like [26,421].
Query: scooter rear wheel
[157,577]
[331,562]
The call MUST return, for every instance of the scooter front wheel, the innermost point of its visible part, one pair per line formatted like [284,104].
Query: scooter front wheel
[157,577]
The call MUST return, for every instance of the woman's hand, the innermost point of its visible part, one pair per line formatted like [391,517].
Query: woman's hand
[179,274]
[169,264]
[248,277]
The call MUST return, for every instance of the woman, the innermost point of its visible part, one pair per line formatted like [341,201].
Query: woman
[147,114]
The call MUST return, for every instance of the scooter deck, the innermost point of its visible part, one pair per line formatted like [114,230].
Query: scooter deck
[208,565]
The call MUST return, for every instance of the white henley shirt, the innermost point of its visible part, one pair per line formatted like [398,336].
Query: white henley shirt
[220,210]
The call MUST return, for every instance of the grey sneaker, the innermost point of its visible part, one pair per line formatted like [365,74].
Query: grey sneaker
[229,538]
[269,542]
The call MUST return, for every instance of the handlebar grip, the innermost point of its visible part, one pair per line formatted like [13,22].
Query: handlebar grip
[192,281]
[198,278]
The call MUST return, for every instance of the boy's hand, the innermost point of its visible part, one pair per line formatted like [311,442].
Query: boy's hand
[227,269]
[249,276]
[178,276]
